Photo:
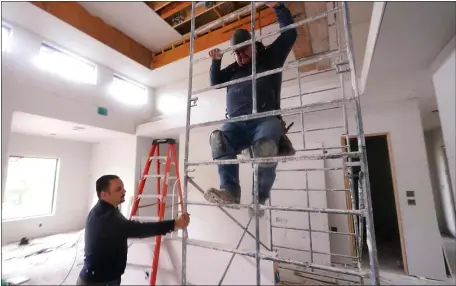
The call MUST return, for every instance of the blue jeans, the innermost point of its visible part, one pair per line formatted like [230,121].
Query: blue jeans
[240,136]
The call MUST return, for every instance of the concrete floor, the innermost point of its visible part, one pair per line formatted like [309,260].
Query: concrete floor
[57,260]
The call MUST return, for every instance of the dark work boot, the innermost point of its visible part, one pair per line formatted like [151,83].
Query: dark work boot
[221,196]
[285,146]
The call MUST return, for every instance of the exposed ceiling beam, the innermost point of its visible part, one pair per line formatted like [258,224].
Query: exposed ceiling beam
[211,39]
[75,15]
[319,31]
[303,47]
[173,8]
[217,11]
[200,10]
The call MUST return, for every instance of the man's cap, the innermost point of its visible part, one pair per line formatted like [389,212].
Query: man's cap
[239,36]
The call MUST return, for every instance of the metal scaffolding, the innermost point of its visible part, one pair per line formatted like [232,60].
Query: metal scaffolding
[343,64]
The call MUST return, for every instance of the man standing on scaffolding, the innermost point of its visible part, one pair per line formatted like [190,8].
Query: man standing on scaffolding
[266,135]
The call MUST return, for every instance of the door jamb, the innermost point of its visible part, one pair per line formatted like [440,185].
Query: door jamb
[396,198]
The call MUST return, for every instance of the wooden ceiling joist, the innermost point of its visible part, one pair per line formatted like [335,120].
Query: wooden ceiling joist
[319,31]
[303,47]
[200,10]
[75,15]
[211,39]
[173,8]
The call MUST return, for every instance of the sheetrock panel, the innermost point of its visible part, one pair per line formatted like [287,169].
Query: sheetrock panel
[204,266]
[300,239]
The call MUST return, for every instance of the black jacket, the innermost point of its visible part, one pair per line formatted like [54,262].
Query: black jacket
[106,246]
[239,96]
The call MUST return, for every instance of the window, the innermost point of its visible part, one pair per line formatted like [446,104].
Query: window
[67,65]
[29,188]
[6,37]
[127,91]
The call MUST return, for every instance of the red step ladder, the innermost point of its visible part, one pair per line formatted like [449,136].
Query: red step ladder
[162,191]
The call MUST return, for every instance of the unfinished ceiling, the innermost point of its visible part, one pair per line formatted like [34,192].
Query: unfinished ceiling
[103,33]
[156,34]
[135,20]
[178,14]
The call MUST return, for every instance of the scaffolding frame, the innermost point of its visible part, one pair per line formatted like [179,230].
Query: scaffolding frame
[361,213]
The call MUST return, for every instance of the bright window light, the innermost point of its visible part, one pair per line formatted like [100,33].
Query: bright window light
[67,65]
[6,37]
[171,103]
[29,188]
[128,92]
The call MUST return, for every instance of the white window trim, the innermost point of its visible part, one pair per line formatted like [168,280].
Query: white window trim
[73,55]
[54,191]
[117,76]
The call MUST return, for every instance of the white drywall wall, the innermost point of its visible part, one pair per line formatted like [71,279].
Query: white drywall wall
[204,266]
[298,239]
[77,102]
[114,157]
[444,79]
[444,198]
[432,139]
[29,89]
[210,227]
[71,194]
[410,168]
[390,108]
[210,223]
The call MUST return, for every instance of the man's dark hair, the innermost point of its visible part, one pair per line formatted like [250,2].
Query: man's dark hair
[102,183]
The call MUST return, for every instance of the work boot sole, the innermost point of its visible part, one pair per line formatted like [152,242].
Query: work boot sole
[213,196]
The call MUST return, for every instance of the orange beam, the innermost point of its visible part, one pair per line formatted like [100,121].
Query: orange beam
[303,47]
[75,15]
[213,38]
[173,9]
[318,31]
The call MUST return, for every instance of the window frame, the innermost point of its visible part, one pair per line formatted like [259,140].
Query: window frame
[119,77]
[67,53]
[54,188]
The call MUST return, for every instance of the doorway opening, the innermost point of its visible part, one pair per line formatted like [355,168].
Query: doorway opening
[384,204]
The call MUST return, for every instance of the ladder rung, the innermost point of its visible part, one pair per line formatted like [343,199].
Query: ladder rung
[146,218]
[158,157]
[155,196]
[160,176]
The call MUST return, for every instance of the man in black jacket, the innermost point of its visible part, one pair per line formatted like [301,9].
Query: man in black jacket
[107,231]
[266,135]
